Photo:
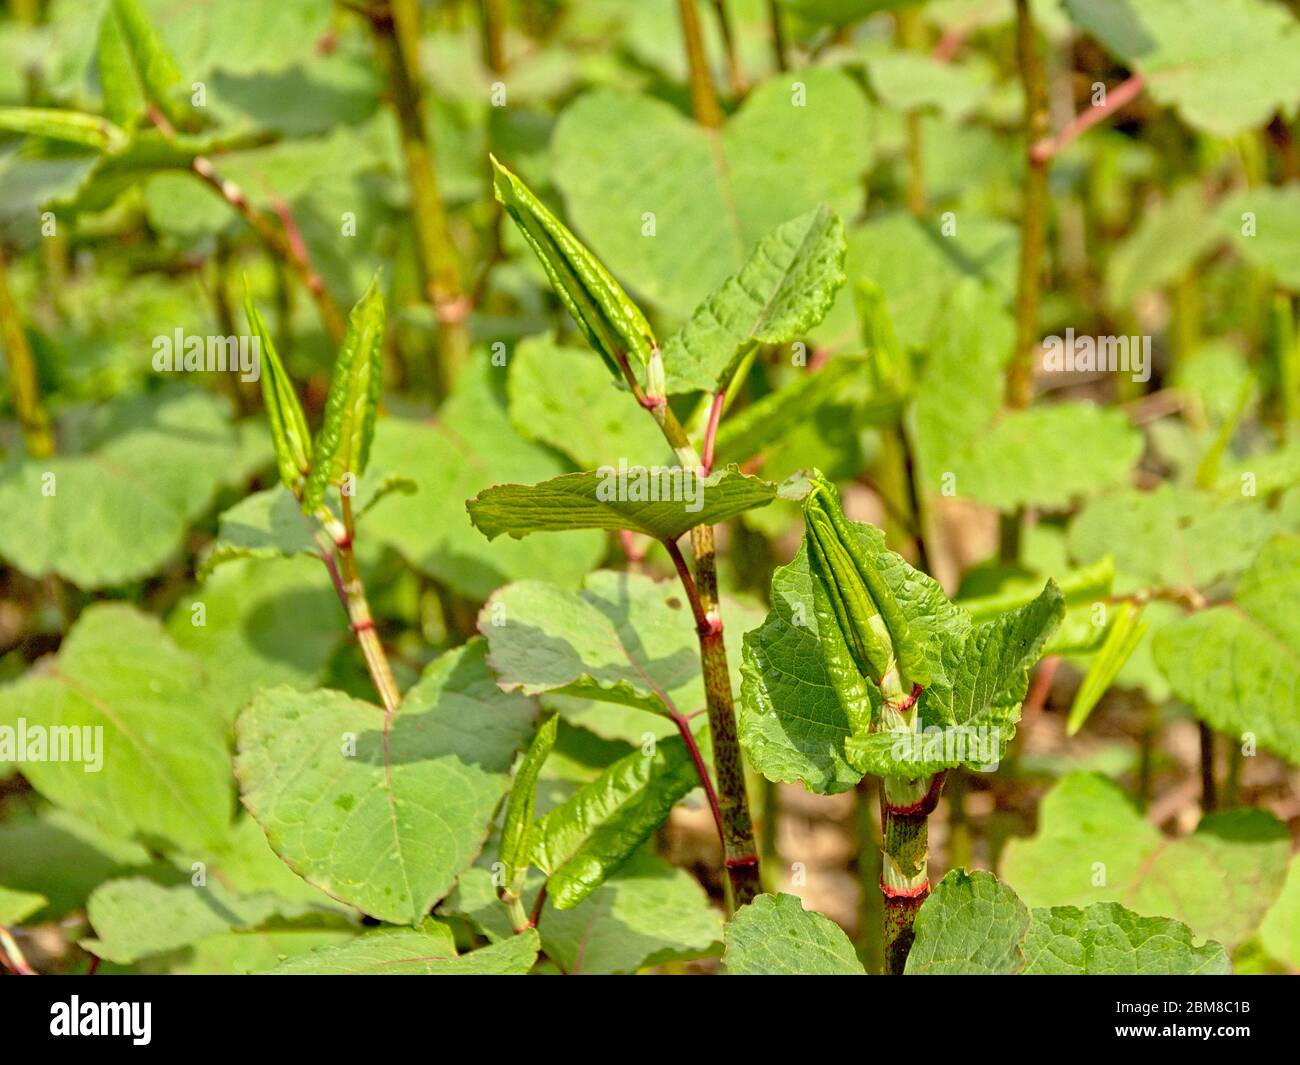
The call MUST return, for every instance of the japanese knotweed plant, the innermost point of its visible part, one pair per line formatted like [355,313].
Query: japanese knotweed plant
[865,667]
[786,287]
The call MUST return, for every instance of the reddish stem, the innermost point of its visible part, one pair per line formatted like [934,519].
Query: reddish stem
[711,431]
[1120,96]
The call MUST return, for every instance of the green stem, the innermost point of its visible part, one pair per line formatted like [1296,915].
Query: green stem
[734,70]
[905,807]
[23,382]
[494,33]
[778,35]
[397,31]
[704,100]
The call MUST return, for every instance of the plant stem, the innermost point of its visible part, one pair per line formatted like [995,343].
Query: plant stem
[871,933]
[279,244]
[1209,791]
[910,34]
[1120,96]
[905,808]
[778,35]
[397,31]
[352,594]
[704,100]
[711,431]
[734,71]
[1033,212]
[494,33]
[12,955]
[24,385]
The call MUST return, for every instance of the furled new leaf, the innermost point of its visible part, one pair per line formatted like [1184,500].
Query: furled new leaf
[608,318]
[517,833]
[155,67]
[1125,633]
[289,432]
[343,443]
[73,127]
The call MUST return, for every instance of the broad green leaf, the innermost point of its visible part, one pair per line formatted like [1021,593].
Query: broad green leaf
[64,858]
[784,289]
[549,382]
[118,510]
[162,774]
[1106,939]
[972,925]
[711,196]
[289,432]
[383,815]
[647,913]
[425,951]
[471,443]
[342,446]
[909,81]
[517,834]
[265,525]
[1163,248]
[586,839]
[660,501]
[17,906]
[1238,665]
[975,924]
[138,918]
[1226,67]
[1171,537]
[242,952]
[91,131]
[1125,633]
[1264,225]
[608,318]
[993,470]
[1093,845]
[1280,930]
[839,12]
[255,624]
[624,638]
[775,936]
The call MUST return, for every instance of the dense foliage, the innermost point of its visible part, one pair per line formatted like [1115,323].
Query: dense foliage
[618,485]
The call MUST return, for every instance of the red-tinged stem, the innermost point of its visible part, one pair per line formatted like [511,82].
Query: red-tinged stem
[905,808]
[702,624]
[536,915]
[1041,687]
[711,431]
[688,737]
[635,556]
[1119,97]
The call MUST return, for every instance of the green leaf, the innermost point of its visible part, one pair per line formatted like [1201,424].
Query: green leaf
[470,443]
[1171,537]
[548,382]
[586,839]
[786,286]
[428,950]
[647,913]
[124,100]
[1280,930]
[713,195]
[383,815]
[1162,249]
[911,81]
[611,322]
[1264,225]
[975,924]
[839,12]
[1238,665]
[1225,67]
[624,638]
[289,432]
[1125,633]
[74,127]
[256,624]
[517,834]
[116,512]
[265,525]
[154,65]
[137,918]
[775,936]
[343,443]
[17,906]
[162,775]
[972,925]
[1106,939]
[660,501]
[1093,845]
